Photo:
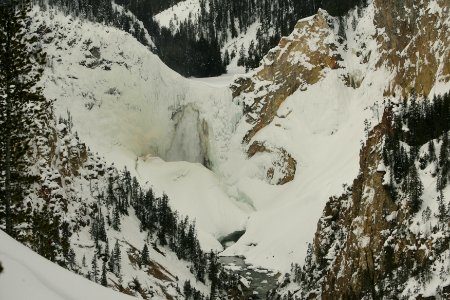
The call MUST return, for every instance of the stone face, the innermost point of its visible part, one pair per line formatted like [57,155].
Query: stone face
[294,64]
[298,61]
[411,38]
[414,43]
[359,215]
[283,166]
[363,246]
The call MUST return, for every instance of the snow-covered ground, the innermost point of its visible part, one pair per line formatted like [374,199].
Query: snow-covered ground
[180,12]
[28,275]
[128,106]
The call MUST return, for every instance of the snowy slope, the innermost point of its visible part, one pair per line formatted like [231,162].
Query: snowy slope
[42,278]
[128,106]
[132,109]
[322,126]
[322,130]
[180,12]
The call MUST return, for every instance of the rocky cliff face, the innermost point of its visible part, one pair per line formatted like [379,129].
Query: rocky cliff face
[299,60]
[413,39]
[408,41]
[348,238]
[369,243]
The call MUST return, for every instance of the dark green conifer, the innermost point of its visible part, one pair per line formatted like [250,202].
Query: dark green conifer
[145,255]
[20,70]
[103,280]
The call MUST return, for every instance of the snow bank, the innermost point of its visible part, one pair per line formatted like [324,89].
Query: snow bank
[28,275]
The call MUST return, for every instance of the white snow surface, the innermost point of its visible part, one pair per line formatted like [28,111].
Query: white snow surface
[125,114]
[180,12]
[28,275]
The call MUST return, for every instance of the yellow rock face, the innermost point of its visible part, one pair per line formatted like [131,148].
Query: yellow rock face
[412,43]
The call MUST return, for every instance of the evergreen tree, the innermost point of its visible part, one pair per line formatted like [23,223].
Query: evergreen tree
[444,162]
[94,268]
[107,250]
[116,218]
[110,197]
[117,258]
[20,69]
[111,262]
[187,289]
[213,274]
[83,261]
[65,234]
[103,280]
[415,189]
[145,255]
[242,58]
[46,239]
[71,258]
[226,58]
[442,210]
[431,152]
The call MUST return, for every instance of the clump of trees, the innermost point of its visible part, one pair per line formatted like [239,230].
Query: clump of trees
[21,104]
[194,46]
[416,124]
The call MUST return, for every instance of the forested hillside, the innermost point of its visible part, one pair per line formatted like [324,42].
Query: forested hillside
[195,46]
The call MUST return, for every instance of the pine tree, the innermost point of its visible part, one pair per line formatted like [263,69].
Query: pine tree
[444,162]
[94,268]
[117,258]
[442,210]
[187,289]
[20,70]
[107,250]
[110,197]
[415,189]
[103,280]
[116,219]
[65,234]
[83,261]
[213,274]
[226,58]
[242,58]
[431,152]
[145,255]
[111,262]
[71,258]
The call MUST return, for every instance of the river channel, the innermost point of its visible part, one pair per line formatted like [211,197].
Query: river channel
[255,282]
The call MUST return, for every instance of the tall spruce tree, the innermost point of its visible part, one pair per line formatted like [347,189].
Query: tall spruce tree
[415,189]
[94,268]
[20,70]
[145,255]
[103,280]
[117,257]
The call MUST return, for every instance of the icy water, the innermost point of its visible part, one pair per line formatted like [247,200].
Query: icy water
[255,282]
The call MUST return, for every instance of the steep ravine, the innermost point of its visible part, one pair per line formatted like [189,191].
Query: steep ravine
[370,244]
